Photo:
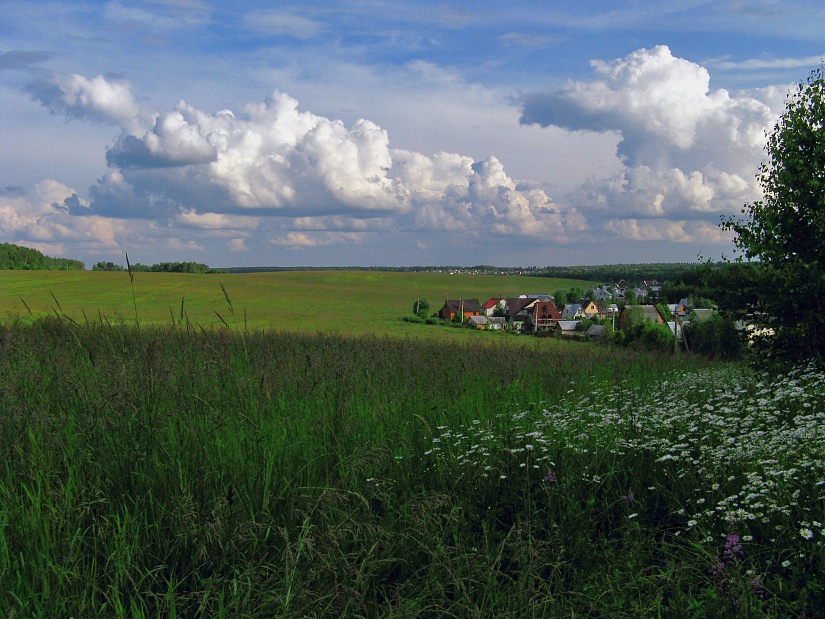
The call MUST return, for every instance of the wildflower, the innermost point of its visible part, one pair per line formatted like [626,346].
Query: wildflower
[747,538]
[550,477]
[692,523]
[786,563]
[732,546]
[806,533]
[632,515]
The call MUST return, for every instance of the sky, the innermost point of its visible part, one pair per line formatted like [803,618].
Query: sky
[388,133]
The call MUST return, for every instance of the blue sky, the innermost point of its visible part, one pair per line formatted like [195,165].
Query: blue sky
[390,133]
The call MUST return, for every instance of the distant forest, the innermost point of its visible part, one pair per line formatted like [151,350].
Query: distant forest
[20,258]
[16,258]
[606,273]
[160,267]
[612,273]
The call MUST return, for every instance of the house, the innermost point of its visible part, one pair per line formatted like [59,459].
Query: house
[595,332]
[649,312]
[594,308]
[516,306]
[497,323]
[572,311]
[567,328]
[654,286]
[492,305]
[468,307]
[479,322]
[545,315]
[523,322]
[599,294]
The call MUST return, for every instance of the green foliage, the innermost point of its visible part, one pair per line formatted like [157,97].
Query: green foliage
[611,273]
[785,231]
[15,257]
[421,307]
[175,267]
[177,472]
[107,266]
[715,337]
[560,298]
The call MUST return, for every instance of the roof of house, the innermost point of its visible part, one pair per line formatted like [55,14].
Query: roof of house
[514,306]
[497,320]
[492,303]
[650,312]
[478,320]
[571,309]
[595,330]
[468,305]
[568,325]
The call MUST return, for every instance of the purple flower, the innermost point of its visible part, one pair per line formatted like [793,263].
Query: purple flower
[550,477]
[732,546]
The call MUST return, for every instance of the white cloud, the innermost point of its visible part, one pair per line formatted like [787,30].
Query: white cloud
[300,240]
[223,171]
[758,64]
[237,245]
[99,99]
[689,152]
[44,216]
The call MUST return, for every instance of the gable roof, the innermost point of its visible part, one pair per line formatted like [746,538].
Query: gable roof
[456,305]
[514,306]
[492,303]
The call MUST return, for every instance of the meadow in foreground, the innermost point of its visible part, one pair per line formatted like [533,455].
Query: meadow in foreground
[177,472]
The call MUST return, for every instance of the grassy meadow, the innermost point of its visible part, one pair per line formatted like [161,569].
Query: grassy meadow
[348,302]
[173,471]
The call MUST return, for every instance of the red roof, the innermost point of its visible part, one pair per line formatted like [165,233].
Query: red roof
[491,303]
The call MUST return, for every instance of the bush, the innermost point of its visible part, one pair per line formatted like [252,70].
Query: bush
[716,338]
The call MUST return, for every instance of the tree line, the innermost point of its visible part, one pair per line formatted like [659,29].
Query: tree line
[160,267]
[17,258]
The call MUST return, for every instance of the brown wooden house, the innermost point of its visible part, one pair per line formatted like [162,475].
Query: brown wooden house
[467,307]
[545,315]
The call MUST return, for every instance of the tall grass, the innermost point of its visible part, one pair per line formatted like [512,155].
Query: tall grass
[178,472]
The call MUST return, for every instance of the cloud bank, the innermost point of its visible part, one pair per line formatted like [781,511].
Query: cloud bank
[310,179]
[273,175]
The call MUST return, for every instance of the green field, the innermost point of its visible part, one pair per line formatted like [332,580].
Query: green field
[320,463]
[350,302]
[173,472]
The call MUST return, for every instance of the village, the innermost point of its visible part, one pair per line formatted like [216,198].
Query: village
[603,307]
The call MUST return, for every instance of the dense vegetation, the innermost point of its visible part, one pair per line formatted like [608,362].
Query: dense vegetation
[784,232]
[15,257]
[612,273]
[160,267]
[181,472]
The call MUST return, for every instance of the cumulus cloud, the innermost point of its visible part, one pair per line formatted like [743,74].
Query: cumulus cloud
[328,182]
[48,215]
[288,177]
[101,100]
[688,151]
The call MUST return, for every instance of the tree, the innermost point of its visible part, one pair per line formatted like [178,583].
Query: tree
[785,231]
[421,307]
[560,297]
